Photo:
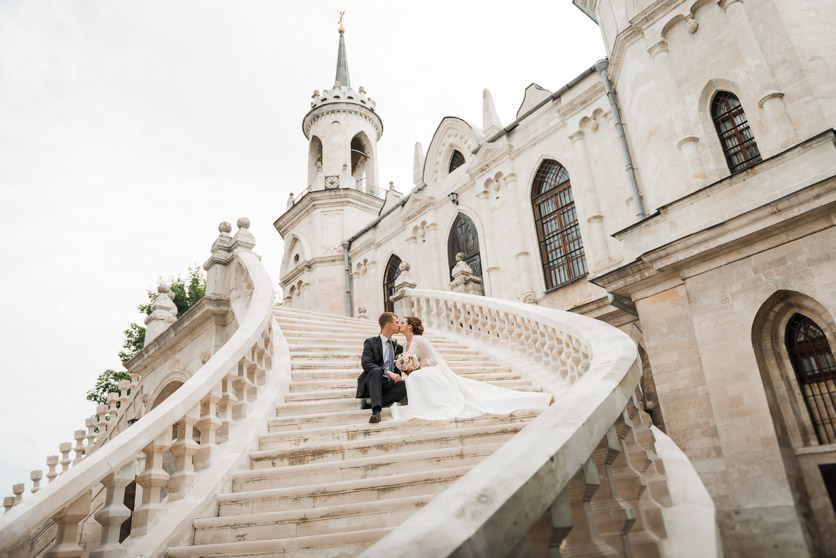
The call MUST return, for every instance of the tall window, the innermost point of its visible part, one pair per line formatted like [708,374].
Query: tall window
[561,247]
[464,238]
[456,160]
[736,137]
[815,370]
[393,269]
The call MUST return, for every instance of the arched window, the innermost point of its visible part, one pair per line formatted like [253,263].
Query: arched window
[393,269]
[456,160]
[815,370]
[464,238]
[736,137]
[561,247]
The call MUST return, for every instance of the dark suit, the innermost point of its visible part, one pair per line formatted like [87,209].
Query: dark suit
[373,382]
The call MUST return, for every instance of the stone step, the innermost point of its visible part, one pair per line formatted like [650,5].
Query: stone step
[459,368]
[297,422]
[383,444]
[312,381]
[311,353]
[361,468]
[338,493]
[337,545]
[354,362]
[301,523]
[363,431]
[316,376]
[310,407]
[350,392]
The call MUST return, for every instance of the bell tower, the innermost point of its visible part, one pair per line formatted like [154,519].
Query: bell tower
[341,195]
[342,129]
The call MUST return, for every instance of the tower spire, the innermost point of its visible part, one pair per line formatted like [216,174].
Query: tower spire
[342,59]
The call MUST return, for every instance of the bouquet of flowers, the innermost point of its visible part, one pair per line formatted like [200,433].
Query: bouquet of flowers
[408,362]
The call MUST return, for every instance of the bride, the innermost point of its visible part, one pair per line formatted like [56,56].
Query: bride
[436,393]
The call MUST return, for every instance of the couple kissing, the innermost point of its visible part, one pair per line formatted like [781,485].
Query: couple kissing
[420,374]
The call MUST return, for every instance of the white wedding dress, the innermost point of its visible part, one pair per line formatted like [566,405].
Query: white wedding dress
[435,392]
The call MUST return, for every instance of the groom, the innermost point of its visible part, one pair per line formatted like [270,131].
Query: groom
[380,379]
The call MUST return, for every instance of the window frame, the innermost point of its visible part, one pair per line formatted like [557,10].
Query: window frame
[571,249]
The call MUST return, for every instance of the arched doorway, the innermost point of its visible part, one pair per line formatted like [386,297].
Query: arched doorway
[393,269]
[464,238]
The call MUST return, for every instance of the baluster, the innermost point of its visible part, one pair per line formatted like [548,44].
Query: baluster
[545,345]
[656,481]
[18,490]
[124,387]
[444,315]
[65,449]
[112,399]
[583,538]
[531,345]
[36,477]
[243,389]
[79,436]
[101,423]
[208,425]
[537,343]
[67,521]
[485,324]
[613,516]
[432,316]
[183,449]
[90,423]
[114,512]
[225,406]
[152,479]
[8,503]
[51,462]
[527,337]
[632,486]
[556,351]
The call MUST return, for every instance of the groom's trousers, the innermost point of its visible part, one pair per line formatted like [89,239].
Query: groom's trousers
[383,392]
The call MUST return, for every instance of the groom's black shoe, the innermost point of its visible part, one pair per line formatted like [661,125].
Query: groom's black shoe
[375,417]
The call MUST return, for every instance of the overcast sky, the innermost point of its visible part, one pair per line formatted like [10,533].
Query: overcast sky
[129,130]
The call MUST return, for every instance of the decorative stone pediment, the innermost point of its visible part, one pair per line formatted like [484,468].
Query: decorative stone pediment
[453,134]
[488,156]
[416,205]
[534,94]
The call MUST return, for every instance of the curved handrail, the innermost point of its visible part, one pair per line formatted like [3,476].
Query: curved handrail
[20,520]
[490,509]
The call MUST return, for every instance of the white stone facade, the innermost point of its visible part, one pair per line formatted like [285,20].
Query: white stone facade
[715,257]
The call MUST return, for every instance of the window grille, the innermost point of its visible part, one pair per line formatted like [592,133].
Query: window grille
[736,137]
[456,160]
[815,370]
[464,238]
[393,269]
[558,231]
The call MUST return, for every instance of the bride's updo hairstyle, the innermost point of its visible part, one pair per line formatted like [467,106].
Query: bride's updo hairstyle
[417,328]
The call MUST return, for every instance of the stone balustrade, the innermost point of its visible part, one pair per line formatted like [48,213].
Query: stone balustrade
[209,402]
[585,469]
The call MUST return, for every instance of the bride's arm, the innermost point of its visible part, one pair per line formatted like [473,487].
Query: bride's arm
[426,351]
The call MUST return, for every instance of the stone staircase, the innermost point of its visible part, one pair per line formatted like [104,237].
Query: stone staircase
[323,481]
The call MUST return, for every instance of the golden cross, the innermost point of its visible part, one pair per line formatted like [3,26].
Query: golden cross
[340,22]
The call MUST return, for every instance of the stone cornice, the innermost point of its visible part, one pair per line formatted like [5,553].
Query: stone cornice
[342,108]
[206,312]
[338,198]
[308,265]
[801,213]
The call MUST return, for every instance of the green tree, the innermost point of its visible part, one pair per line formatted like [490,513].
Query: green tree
[187,291]
[108,381]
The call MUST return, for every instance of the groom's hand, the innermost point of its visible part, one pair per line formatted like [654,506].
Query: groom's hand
[392,376]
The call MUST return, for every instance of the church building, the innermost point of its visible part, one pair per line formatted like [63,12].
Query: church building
[683,190]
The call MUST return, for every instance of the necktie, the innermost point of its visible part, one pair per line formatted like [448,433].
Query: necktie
[390,356]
